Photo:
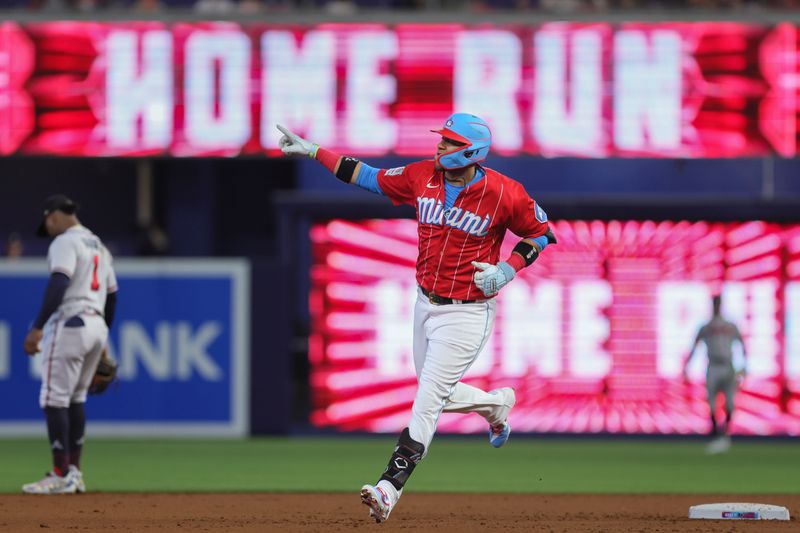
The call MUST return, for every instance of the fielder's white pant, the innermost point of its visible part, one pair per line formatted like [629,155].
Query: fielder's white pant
[70,353]
[720,378]
[447,340]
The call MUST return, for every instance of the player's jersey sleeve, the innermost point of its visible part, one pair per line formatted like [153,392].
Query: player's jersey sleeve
[399,183]
[527,218]
[111,277]
[62,256]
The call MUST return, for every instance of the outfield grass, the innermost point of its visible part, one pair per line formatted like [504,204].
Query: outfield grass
[453,465]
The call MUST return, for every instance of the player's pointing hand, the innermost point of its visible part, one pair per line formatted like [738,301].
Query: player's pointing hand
[491,278]
[292,144]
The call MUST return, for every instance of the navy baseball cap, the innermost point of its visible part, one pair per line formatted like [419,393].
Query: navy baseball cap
[56,202]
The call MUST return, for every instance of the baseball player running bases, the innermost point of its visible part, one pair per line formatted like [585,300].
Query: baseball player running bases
[463,210]
[70,331]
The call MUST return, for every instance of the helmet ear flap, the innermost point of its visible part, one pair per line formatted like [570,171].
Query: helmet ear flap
[469,153]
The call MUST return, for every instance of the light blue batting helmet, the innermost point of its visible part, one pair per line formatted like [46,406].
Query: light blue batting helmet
[473,132]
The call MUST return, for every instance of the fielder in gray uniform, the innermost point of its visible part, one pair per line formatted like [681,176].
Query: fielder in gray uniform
[70,332]
[719,335]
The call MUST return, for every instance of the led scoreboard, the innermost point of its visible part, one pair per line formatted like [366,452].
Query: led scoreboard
[593,335]
[701,89]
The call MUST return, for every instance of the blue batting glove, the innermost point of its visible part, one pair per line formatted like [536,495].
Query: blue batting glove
[491,278]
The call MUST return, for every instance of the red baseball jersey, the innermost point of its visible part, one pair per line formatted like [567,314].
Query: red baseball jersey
[471,230]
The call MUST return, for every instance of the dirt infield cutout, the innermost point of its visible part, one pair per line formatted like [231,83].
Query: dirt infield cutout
[460,513]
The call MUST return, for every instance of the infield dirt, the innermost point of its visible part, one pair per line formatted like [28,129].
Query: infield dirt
[461,513]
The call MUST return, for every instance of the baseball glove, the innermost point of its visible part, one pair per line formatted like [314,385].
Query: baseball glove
[105,374]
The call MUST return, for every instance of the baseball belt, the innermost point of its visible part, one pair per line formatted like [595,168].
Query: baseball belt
[441,300]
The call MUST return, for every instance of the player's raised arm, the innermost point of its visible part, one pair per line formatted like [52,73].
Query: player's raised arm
[344,168]
[393,183]
[347,169]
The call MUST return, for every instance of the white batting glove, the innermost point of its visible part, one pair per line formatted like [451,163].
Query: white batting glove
[491,278]
[292,144]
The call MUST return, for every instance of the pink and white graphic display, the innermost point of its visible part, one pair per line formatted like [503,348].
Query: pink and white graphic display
[593,336]
[632,89]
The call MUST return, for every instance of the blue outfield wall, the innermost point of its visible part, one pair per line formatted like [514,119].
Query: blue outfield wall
[181,337]
[272,388]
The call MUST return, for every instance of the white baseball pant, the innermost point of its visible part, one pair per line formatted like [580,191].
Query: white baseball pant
[447,340]
[71,349]
[720,378]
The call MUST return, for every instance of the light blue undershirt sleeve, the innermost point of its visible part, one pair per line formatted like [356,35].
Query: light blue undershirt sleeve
[541,240]
[368,179]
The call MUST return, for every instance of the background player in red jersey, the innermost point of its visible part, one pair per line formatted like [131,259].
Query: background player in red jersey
[464,210]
